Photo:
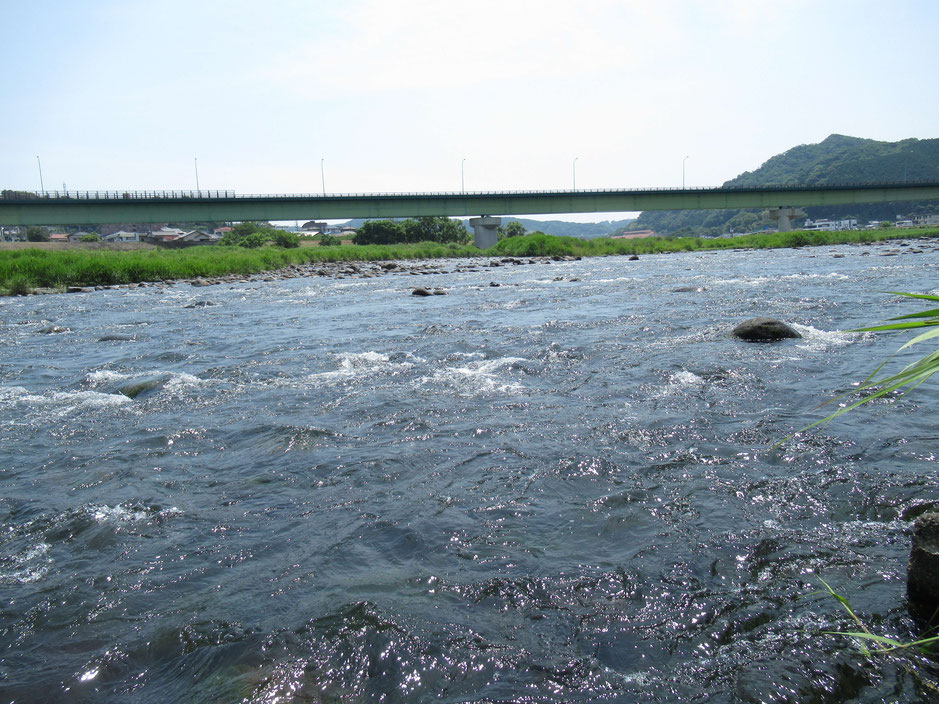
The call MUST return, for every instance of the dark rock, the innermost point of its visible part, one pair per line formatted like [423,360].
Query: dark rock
[689,289]
[922,581]
[634,258]
[388,266]
[764,330]
[78,289]
[116,338]
[200,282]
[201,304]
[421,292]
[494,284]
[53,329]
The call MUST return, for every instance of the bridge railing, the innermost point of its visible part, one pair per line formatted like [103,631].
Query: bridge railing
[20,195]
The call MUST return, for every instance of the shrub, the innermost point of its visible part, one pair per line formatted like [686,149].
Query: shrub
[18,286]
[281,238]
[89,237]
[329,241]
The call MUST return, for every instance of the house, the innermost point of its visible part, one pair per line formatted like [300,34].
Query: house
[198,237]
[222,231]
[314,226]
[122,236]
[77,236]
[924,220]
[167,234]
[58,237]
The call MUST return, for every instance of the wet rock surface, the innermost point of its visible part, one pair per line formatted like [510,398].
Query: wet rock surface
[922,580]
[761,329]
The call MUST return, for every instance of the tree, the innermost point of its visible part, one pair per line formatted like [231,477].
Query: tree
[511,229]
[282,238]
[434,229]
[329,241]
[379,232]
[36,234]
[89,237]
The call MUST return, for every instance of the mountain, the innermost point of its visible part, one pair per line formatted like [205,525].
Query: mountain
[836,160]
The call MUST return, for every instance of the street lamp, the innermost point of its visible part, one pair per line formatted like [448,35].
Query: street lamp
[683,171]
[323,174]
[42,187]
[574,173]
[462,176]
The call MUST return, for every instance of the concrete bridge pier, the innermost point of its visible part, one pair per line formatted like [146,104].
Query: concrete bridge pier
[485,231]
[784,217]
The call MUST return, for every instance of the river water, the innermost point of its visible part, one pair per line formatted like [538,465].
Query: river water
[558,489]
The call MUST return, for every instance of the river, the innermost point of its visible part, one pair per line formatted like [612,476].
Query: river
[558,489]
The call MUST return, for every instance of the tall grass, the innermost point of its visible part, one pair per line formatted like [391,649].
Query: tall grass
[32,268]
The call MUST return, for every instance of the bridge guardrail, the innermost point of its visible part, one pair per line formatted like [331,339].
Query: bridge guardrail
[20,195]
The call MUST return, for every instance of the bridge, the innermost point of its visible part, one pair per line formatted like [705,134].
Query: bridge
[97,207]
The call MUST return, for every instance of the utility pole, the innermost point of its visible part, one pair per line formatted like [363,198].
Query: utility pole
[574,174]
[323,173]
[196,159]
[683,172]
[42,187]
[462,177]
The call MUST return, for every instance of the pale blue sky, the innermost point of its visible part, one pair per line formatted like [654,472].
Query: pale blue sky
[394,95]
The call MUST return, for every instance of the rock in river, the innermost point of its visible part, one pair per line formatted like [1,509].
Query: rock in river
[764,330]
[922,581]
[421,292]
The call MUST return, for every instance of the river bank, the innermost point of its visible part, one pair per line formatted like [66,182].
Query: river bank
[34,270]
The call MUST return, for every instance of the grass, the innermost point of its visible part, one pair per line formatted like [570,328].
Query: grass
[24,269]
[879,644]
[908,378]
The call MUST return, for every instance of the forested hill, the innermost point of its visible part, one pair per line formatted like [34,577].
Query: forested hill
[836,160]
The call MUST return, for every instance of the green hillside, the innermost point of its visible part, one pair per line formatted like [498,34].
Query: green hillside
[836,160]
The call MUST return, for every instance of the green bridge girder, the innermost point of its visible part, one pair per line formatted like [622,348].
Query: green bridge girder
[132,207]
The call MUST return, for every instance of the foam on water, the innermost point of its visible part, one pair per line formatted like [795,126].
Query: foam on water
[357,365]
[478,377]
[59,403]
[27,566]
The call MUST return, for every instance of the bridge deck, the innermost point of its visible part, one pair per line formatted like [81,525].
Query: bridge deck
[18,208]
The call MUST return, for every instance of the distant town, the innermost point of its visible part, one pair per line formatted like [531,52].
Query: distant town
[168,236]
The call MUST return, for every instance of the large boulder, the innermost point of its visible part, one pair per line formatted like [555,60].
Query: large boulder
[764,330]
[922,580]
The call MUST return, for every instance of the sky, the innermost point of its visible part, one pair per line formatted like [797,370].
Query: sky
[437,95]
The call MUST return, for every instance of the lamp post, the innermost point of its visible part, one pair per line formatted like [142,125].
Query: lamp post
[683,171]
[196,162]
[574,174]
[462,176]
[42,186]
[323,174]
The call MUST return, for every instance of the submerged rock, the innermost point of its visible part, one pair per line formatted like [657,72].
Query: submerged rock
[142,387]
[201,304]
[116,338]
[922,581]
[764,330]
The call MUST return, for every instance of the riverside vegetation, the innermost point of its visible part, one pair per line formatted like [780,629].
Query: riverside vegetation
[21,271]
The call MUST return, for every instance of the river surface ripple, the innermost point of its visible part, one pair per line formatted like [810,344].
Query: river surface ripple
[561,488]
